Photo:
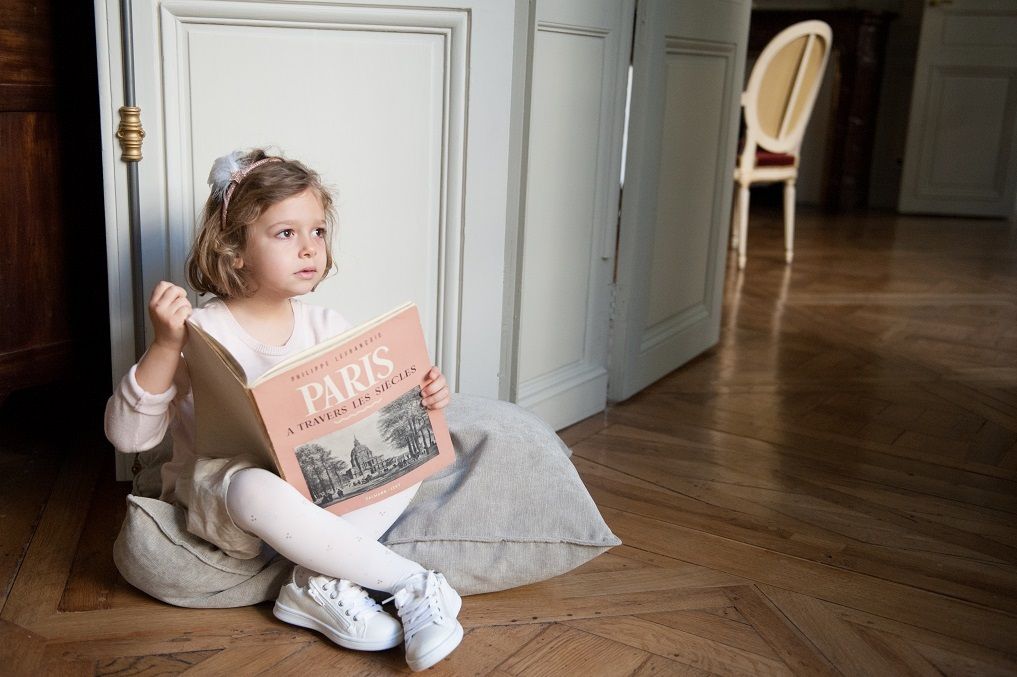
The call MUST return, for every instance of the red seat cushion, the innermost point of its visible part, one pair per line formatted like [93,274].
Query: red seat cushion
[765,158]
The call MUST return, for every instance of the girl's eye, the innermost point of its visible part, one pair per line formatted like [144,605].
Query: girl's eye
[285,234]
[319,232]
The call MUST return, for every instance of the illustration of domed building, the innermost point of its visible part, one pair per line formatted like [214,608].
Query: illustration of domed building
[362,460]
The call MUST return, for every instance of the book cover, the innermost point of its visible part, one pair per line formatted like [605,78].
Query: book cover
[342,421]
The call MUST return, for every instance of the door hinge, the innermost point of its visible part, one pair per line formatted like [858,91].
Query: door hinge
[130,133]
[614,304]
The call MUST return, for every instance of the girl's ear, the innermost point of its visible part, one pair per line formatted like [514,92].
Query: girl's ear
[238,262]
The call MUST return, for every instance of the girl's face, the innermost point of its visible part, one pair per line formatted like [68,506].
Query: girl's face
[285,252]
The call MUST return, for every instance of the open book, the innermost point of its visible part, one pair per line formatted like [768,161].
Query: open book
[341,421]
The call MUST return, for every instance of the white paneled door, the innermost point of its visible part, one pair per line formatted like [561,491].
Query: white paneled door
[961,153]
[576,118]
[688,62]
[377,99]
[400,105]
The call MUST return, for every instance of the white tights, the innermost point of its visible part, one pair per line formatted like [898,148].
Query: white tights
[347,547]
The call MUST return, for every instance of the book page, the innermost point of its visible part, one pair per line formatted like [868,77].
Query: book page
[226,419]
[328,344]
[347,424]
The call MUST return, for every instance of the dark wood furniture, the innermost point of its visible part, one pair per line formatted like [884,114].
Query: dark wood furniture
[859,46]
[53,315]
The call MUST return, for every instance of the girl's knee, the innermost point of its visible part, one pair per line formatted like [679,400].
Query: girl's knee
[256,488]
[249,487]
[251,478]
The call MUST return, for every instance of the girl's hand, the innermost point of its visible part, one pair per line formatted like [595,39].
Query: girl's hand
[169,309]
[435,393]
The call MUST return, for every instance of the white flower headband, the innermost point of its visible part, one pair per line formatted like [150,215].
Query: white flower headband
[227,173]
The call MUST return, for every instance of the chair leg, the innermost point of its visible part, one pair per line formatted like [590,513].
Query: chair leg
[789,220]
[743,222]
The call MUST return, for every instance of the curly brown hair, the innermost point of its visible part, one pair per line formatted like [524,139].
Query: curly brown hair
[211,265]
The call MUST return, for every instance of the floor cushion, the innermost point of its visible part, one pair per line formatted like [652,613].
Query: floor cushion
[511,510]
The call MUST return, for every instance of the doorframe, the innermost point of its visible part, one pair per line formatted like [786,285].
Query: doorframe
[519,134]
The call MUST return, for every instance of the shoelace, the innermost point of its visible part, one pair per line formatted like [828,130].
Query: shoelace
[418,607]
[352,598]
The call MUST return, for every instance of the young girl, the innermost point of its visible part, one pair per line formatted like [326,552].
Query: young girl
[265,239]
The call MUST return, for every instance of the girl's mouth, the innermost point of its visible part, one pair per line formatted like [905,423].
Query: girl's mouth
[307,273]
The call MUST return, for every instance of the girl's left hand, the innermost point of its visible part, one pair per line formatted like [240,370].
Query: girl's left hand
[434,394]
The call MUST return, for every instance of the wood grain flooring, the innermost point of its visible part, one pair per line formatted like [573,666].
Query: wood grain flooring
[830,490]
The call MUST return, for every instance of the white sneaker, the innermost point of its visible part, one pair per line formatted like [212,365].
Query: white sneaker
[339,609]
[428,607]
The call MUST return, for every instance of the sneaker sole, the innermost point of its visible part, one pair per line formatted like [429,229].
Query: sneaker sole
[295,617]
[439,652]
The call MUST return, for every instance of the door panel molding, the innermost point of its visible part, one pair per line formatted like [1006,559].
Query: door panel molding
[997,112]
[691,296]
[961,151]
[437,37]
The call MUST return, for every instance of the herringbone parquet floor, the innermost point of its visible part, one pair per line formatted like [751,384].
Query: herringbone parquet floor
[830,490]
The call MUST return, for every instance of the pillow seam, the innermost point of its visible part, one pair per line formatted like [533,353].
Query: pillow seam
[186,546]
[545,541]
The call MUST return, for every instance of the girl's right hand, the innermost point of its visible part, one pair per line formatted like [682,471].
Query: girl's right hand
[169,309]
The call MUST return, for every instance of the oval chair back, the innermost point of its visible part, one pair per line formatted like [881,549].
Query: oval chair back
[777,104]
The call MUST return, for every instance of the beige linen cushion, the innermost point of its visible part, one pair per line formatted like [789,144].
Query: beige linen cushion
[156,554]
[511,510]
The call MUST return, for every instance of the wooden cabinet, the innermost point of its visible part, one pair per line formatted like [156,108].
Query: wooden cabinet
[52,248]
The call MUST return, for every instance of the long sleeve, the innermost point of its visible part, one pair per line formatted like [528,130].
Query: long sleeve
[137,420]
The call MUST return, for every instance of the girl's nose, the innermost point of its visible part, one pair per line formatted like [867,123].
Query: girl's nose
[307,247]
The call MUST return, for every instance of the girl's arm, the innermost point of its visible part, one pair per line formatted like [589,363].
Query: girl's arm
[169,309]
[139,412]
[137,420]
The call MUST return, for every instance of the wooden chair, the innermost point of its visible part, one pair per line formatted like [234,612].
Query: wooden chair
[776,106]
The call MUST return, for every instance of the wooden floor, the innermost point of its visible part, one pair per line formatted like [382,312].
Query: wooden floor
[829,490]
